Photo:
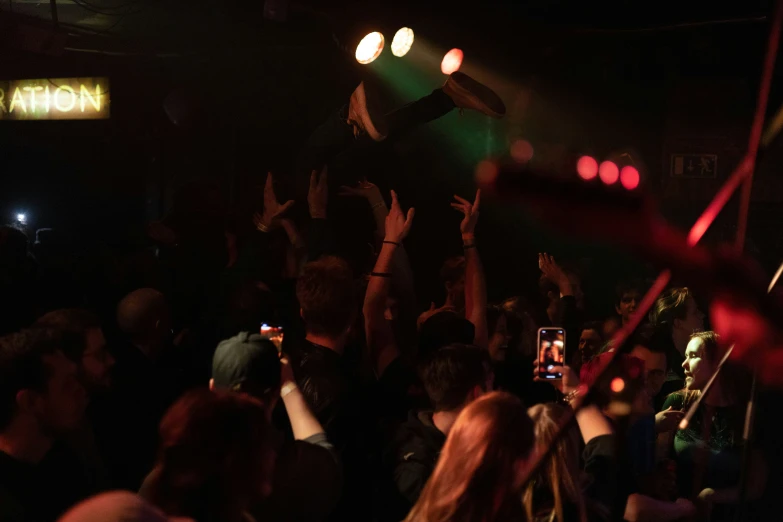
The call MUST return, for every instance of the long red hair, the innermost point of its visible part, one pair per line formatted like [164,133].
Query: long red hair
[479,476]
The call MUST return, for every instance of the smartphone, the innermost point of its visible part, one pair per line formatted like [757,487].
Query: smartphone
[551,352]
[274,334]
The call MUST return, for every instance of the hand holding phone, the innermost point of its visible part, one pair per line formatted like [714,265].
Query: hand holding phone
[551,352]
[274,334]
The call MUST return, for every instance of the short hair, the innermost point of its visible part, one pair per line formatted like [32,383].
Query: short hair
[452,270]
[22,367]
[138,311]
[327,296]
[670,306]
[72,325]
[597,326]
[443,329]
[625,287]
[451,373]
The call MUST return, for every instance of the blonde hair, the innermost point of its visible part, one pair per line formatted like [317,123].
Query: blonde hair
[560,472]
[479,475]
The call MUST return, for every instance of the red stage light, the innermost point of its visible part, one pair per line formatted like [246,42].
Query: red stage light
[617,385]
[608,172]
[629,177]
[451,61]
[521,151]
[587,167]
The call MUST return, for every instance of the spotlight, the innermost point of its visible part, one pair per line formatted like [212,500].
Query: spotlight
[402,42]
[608,172]
[21,218]
[629,177]
[451,61]
[587,167]
[369,48]
[617,385]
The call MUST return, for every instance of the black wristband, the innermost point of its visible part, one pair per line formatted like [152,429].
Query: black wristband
[471,245]
[391,243]
[380,274]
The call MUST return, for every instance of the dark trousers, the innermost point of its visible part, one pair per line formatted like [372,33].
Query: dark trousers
[335,136]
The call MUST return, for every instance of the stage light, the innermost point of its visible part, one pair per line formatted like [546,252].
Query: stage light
[402,42]
[21,218]
[617,385]
[451,61]
[629,177]
[587,167]
[369,48]
[486,172]
[521,151]
[608,172]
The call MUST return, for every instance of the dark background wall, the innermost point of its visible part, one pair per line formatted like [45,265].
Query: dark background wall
[576,79]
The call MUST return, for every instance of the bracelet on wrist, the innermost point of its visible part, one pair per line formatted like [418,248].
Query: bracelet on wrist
[287,388]
[380,274]
[378,205]
[570,397]
[468,245]
[262,228]
[385,242]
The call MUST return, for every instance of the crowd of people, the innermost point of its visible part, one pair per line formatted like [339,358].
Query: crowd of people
[141,386]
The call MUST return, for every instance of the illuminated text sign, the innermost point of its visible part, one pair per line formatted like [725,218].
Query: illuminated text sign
[55,99]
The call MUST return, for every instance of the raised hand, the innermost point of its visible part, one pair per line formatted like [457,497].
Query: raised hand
[318,195]
[272,209]
[570,381]
[398,225]
[363,189]
[470,211]
[554,272]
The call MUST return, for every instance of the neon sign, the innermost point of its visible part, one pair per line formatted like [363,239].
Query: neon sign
[55,99]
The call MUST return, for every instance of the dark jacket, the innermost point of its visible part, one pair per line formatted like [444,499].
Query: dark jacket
[409,462]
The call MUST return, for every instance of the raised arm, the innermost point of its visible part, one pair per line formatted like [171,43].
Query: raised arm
[304,424]
[380,338]
[475,282]
[320,241]
[403,274]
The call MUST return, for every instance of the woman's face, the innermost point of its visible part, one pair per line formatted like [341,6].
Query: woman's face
[498,343]
[698,367]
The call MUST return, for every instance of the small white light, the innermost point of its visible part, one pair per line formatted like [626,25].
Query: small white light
[21,218]
[402,42]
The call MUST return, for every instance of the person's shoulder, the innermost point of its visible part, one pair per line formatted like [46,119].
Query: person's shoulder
[675,400]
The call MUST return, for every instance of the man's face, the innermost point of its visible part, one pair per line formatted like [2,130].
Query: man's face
[96,361]
[60,407]
[627,305]
[589,344]
[654,368]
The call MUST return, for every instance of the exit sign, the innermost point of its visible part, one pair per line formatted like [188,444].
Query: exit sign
[694,165]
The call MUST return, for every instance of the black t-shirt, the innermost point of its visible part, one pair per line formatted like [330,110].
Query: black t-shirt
[408,463]
[344,406]
[44,491]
